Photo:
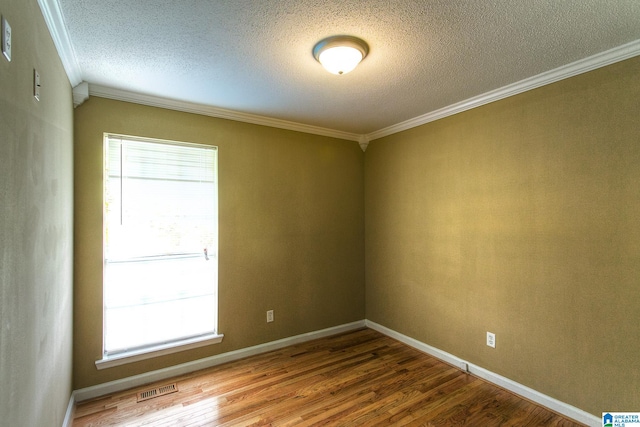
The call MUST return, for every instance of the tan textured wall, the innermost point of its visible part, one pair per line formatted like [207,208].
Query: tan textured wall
[36,225]
[291,229]
[521,217]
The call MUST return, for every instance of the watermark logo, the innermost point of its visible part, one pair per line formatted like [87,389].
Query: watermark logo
[621,419]
[607,420]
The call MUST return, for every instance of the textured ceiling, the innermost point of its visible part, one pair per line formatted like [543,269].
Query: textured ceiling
[254,56]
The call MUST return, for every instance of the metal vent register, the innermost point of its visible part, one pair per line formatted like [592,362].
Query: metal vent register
[156,392]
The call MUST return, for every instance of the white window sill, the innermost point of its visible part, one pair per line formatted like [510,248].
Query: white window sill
[159,350]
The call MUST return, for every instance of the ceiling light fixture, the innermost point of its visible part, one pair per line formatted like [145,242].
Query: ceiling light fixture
[340,54]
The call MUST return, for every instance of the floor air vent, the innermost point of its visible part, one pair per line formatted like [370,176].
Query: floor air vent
[158,391]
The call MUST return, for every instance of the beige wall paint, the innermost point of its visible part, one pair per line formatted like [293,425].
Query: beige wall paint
[291,229]
[36,225]
[522,218]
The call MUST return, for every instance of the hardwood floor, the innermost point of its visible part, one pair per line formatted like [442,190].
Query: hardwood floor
[360,378]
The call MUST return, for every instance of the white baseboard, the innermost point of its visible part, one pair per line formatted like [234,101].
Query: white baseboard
[522,390]
[185,368]
[172,371]
[68,416]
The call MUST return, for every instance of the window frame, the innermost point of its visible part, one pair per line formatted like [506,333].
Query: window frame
[178,345]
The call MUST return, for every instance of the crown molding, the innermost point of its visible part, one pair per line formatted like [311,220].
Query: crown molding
[364,142]
[189,107]
[590,63]
[55,22]
[80,94]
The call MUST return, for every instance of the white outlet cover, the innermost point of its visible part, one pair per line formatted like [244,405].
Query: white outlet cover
[6,39]
[270,316]
[491,339]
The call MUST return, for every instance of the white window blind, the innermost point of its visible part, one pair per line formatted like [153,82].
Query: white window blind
[160,235]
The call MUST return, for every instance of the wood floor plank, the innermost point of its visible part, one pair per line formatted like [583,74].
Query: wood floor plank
[358,378]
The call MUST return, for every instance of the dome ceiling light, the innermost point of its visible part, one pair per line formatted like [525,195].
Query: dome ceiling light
[340,54]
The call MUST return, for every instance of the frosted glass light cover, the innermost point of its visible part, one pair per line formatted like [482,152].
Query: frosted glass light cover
[340,59]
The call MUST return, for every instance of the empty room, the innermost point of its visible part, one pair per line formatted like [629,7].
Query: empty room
[204,220]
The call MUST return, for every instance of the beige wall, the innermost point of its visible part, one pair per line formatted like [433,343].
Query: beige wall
[291,229]
[36,225]
[522,218]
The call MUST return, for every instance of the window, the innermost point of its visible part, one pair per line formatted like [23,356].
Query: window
[160,244]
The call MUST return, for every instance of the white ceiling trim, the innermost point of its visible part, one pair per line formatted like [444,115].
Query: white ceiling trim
[52,14]
[590,63]
[189,107]
[599,60]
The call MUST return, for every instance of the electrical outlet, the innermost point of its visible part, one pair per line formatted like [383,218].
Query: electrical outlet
[6,39]
[269,316]
[491,339]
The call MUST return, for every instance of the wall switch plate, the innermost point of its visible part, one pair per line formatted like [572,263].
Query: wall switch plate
[269,316]
[36,85]
[491,339]
[6,39]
